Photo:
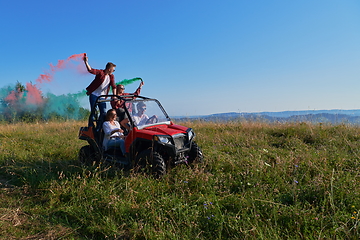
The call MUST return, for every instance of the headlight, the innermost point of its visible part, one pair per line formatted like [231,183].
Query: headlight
[163,139]
[191,134]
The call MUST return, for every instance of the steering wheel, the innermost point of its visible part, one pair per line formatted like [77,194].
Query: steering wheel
[153,119]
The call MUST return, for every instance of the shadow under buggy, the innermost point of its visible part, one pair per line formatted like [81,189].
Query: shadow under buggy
[152,144]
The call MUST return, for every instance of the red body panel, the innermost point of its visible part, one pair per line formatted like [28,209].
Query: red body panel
[149,132]
[86,132]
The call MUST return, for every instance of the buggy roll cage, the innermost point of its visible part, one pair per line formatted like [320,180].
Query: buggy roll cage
[126,98]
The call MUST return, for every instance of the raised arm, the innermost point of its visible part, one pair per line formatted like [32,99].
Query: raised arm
[138,90]
[87,63]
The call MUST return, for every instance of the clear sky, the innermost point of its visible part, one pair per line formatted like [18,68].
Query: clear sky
[196,56]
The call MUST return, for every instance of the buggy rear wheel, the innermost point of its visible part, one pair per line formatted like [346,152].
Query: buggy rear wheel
[88,156]
[151,163]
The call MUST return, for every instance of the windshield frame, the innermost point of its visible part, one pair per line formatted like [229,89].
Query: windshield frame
[166,120]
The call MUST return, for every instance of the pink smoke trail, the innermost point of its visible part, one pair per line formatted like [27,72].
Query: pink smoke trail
[12,97]
[34,95]
[49,75]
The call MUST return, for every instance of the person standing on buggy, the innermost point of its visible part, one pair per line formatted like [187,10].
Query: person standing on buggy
[100,86]
[119,105]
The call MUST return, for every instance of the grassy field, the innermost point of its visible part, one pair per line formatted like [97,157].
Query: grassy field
[258,181]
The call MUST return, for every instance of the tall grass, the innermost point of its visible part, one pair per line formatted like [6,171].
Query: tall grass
[258,181]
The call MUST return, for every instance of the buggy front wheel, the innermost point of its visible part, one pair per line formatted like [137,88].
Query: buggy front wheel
[195,154]
[150,162]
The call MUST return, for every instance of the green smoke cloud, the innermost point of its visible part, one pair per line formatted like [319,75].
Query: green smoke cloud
[128,81]
[65,106]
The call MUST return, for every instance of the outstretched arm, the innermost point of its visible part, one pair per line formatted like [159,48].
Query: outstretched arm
[87,63]
[138,90]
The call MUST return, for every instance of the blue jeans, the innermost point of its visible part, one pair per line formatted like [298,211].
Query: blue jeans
[117,142]
[102,108]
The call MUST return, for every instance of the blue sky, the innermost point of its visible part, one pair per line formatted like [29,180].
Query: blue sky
[197,57]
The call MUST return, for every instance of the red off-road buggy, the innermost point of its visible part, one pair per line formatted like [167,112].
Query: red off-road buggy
[152,144]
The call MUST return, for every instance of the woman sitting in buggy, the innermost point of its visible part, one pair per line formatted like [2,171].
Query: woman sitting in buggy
[113,134]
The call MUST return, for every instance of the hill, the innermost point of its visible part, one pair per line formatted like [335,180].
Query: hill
[316,116]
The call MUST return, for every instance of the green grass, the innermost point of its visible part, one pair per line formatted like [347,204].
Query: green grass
[258,181]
